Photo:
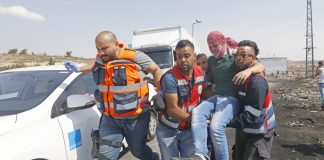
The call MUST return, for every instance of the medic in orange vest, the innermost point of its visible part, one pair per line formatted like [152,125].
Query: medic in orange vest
[122,97]
[122,88]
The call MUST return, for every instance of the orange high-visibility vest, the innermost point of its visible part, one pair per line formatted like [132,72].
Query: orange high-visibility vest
[122,86]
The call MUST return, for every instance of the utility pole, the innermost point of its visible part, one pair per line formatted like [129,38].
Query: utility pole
[309,42]
[193,26]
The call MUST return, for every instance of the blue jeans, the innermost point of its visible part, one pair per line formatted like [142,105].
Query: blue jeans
[134,131]
[225,109]
[174,143]
[321,87]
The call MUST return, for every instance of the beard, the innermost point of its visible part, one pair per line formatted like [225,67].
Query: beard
[186,68]
[107,58]
[242,66]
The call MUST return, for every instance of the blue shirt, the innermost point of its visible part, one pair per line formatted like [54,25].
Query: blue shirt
[169,83]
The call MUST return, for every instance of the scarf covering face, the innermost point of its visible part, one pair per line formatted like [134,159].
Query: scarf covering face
[217,38]
[231,42]
[232,45]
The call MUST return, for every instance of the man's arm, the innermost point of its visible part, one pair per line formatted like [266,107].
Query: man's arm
[253,106]
[241,77]
[169,88]
[157,73]
[173,110]
[88,67]
[148,65]
[74,67]
[317,72]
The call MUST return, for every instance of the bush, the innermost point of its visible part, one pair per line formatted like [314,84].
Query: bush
[13,51]
[17,65]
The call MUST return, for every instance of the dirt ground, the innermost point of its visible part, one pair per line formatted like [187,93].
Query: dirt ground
[299,118]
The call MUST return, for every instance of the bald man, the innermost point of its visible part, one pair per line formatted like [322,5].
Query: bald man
[124,100]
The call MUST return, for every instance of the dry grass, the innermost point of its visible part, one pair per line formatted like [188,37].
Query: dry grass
[9,61]
[14,61]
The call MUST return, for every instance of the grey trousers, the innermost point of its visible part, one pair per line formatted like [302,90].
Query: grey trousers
[251,147]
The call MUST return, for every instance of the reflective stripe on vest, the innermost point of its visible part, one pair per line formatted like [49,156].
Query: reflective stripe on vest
[130,105]
[253,111]
[127,87]
[169,123]
[102,88]
[255,131]
[200,79]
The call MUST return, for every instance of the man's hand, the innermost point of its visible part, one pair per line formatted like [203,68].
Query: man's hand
[71,66]
[157,73]
[241,77]
[207,92]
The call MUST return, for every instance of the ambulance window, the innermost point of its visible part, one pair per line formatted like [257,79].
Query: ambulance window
[82,85]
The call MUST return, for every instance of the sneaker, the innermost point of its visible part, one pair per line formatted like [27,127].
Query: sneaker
[194,157]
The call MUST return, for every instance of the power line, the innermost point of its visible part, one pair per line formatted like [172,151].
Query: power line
[290,23]
[276,29]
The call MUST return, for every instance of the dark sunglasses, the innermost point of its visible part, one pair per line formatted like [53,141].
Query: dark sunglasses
[240,55]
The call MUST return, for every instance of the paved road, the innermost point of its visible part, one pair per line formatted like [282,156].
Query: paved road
[154,145]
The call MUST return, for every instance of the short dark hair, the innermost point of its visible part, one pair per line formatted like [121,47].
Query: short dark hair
[250,44]
[320,63]
[200,55]
[184,43]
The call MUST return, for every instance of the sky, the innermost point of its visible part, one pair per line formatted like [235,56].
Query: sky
[54,27]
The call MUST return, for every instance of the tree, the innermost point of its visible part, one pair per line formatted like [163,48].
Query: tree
[13,51]
[68,53]
[24,51]
[51,61]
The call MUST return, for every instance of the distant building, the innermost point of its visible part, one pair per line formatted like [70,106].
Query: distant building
[275,64]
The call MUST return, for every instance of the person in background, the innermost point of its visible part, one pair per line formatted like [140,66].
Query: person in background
[320,72]
[181,89]
[255,124]
[201,60]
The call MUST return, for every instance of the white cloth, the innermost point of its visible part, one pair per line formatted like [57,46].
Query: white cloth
[321,76]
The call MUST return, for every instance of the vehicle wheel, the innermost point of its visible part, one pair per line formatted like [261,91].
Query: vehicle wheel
[152,126]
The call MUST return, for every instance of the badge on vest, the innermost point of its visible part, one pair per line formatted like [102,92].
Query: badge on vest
[200,89]
[242,93]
